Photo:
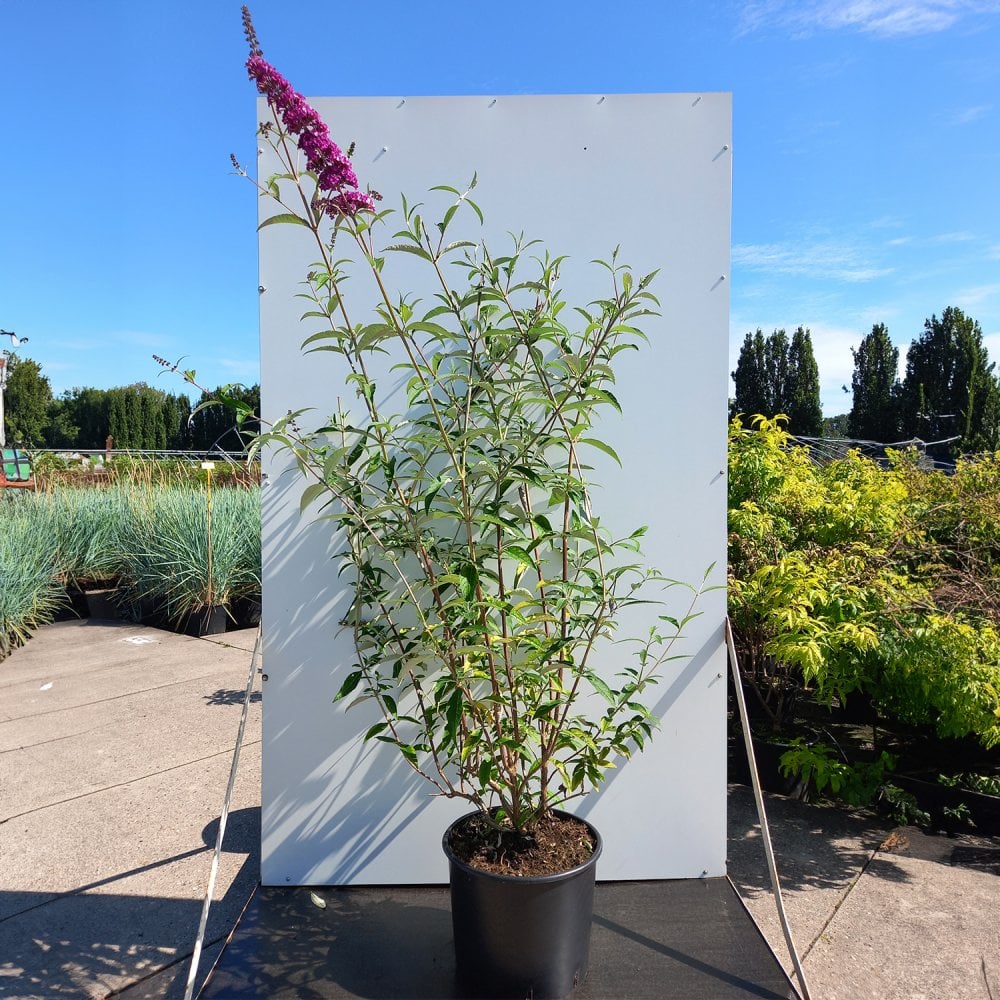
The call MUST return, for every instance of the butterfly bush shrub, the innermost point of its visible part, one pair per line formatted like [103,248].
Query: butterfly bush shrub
[484,583]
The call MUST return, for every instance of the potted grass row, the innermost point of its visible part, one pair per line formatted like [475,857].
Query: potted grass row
[172,556]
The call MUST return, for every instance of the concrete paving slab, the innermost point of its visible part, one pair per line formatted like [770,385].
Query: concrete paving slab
[147,707]
[119,661]
[821,851]
[876,913]
[917,925]
[243,638]
[103,872]
[102,875]
[91,843]
[58,950]
[110,743]
[171,982]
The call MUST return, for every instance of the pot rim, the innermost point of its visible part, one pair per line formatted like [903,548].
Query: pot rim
[464,866]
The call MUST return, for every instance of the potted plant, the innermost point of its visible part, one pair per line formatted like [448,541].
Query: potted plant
[484,582]
[191,554]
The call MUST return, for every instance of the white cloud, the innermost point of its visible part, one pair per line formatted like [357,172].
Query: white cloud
[140,338]
[246,369]
[968,115]
[829,260]
[832,348]
[970,298]
[956,237]
[885,18]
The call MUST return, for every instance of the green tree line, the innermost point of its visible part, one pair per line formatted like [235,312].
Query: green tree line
[136,416]
[949,389]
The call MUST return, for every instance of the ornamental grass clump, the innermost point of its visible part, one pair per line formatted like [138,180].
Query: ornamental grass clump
[186,555]
[87,527]
[485,583]
[30,592]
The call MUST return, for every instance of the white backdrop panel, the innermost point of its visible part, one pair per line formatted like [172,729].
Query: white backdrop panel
[651,173]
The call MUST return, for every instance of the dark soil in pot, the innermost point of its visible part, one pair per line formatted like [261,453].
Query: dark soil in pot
[559,843]
[519,935]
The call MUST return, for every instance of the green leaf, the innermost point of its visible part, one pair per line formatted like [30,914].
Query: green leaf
[310,493]
[284,218]
[454,717]
[350,683]
[485,772]
[601,446]
[601,688]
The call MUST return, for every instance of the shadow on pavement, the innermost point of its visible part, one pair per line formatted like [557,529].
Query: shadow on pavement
[74,943]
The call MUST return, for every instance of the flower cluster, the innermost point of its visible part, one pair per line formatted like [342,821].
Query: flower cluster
[324,157]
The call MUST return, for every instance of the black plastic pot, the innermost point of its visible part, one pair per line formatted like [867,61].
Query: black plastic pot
[208,620]
[768,756]
[935,798]
[521,936]
[102,603]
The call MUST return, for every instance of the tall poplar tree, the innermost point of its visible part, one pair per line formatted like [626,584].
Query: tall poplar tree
[750,377]
[775,376]
[950,387]
[805,413]
[874,414]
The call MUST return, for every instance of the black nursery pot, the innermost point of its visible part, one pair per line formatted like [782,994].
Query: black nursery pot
[521,936]
[208,620]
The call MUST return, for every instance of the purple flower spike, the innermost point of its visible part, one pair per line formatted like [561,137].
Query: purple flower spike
[324,157]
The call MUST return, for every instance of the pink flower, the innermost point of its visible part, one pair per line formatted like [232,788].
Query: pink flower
[324,157]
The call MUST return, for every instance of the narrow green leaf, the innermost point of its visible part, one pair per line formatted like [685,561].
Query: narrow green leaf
[282,218]
[350,683]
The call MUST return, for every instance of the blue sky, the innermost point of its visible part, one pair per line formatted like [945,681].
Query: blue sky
[865,172]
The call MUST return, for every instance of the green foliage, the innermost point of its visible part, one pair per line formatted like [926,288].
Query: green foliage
[983,783]
[190,549]
[754,390]
[875,411]
[30,594]
[805,415]
[836,426]
[902,807]
[86,527]
[26,402]
[217,427]
[134,416]
[847,577]
[821,768]
[950,386]
[484,581]
[774,376]
[155,541]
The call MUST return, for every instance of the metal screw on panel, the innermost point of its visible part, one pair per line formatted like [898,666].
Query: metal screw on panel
[261,288]
[263,677]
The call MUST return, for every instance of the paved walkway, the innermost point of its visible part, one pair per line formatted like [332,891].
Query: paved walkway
[115,748]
